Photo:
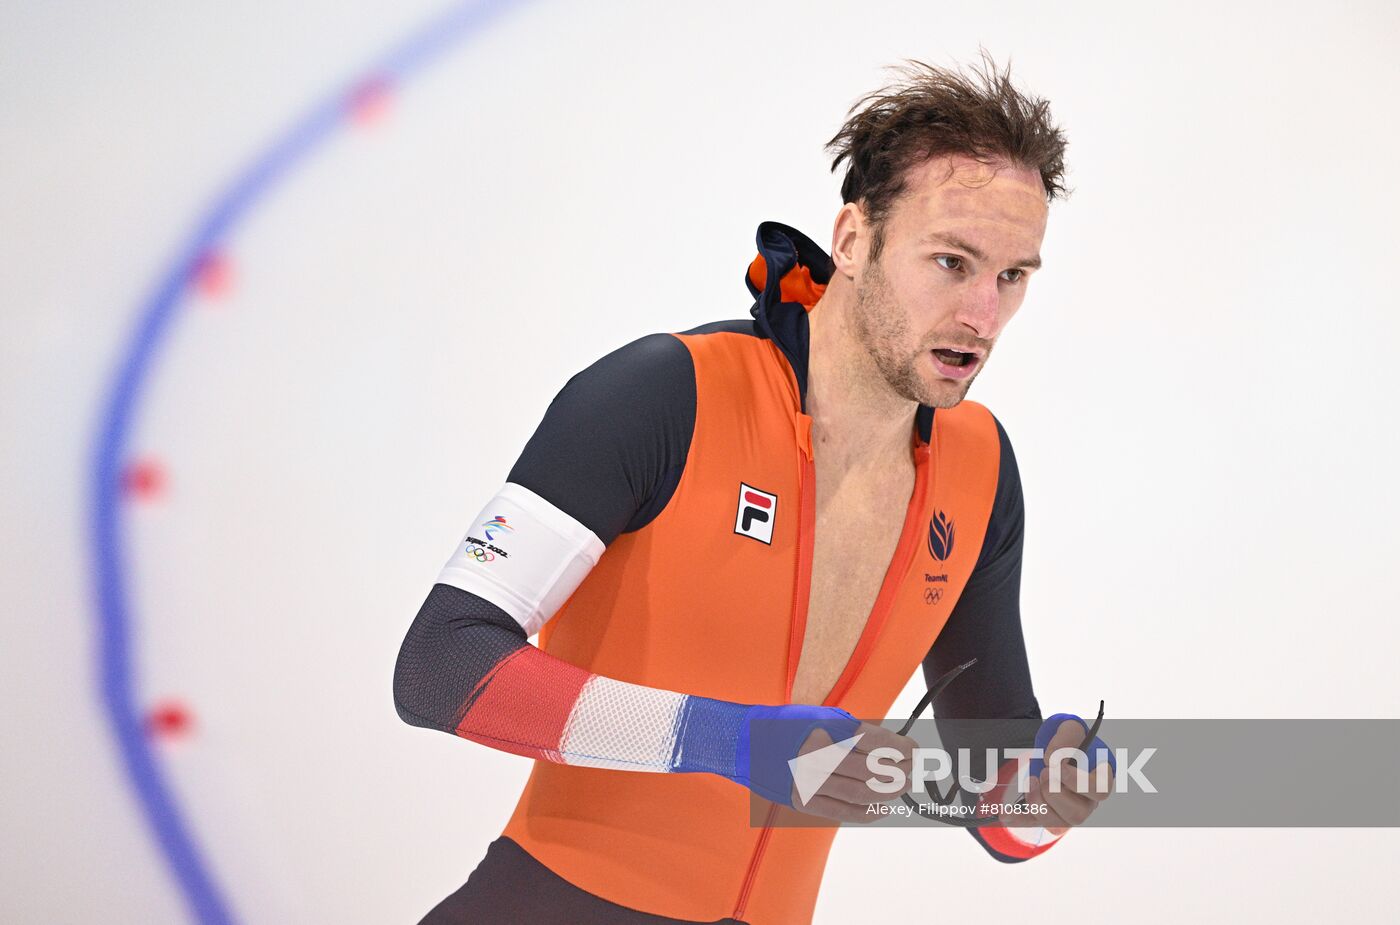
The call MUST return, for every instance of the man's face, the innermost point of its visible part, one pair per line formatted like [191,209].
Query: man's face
[958,252]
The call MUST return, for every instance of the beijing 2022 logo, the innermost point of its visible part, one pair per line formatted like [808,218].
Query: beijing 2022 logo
[482,550]
[940,536]
[496,525]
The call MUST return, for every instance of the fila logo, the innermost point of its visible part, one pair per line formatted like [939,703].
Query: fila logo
[756,512]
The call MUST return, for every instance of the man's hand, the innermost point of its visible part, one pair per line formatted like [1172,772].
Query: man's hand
[1077,794]
[846,794]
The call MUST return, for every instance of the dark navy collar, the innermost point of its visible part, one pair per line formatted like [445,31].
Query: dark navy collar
[789,256]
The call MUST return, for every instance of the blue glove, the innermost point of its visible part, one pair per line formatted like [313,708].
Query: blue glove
[1047,732]
[769,737]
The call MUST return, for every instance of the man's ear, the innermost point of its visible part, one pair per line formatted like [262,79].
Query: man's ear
[850,240]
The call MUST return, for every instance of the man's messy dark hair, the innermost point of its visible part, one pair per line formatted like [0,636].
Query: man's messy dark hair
[933,112]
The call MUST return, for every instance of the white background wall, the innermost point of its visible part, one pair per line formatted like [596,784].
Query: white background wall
[1198,389]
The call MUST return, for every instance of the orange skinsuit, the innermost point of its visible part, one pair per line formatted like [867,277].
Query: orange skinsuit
[686,605]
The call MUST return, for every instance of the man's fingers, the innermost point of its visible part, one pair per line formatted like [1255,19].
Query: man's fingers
[853,790]
[1065,807]
[873,737]
[852,782]
[1096,784]
[1073,808]
[1047,816]
[895,752]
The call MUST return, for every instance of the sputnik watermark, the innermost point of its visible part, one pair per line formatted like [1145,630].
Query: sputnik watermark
[811,770]
[1175,773]
[937,765]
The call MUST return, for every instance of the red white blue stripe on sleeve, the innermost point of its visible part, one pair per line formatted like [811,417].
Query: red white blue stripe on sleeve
[535,705]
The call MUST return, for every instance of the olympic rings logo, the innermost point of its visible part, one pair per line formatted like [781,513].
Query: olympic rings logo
[479,554]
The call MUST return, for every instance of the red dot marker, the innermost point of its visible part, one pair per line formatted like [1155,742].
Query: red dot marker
[145,480]
[213,275]
[170,720]
[369,102]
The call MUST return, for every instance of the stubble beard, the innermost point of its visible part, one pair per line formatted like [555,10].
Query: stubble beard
[883,330]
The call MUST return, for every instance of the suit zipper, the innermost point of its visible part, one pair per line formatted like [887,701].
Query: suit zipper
[801,592]
[899,565]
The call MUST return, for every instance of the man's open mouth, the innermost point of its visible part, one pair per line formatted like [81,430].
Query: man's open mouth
[955,357]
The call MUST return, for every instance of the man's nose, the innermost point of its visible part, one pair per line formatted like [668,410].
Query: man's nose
[981,308]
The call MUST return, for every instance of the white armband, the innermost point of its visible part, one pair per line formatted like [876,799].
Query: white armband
[524,555]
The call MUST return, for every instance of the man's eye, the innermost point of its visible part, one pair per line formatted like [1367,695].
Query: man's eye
[956,260]
[1014,279]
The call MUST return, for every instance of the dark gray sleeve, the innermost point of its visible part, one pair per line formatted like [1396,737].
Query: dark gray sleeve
[611,447]
[454,643]
[995,694]
[986,621]
[609,453]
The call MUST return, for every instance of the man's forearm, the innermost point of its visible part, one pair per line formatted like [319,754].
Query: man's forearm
[466,667]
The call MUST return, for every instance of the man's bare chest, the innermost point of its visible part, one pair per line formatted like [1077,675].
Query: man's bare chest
[859,520]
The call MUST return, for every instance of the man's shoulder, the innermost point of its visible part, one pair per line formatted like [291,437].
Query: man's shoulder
[969,420]
[659,354]
[726,326]
[977,434]
[653,363]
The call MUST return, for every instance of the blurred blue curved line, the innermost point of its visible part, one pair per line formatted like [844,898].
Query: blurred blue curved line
[156,315]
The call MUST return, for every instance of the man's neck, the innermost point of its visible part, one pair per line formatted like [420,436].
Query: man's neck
[856,420]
